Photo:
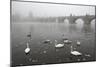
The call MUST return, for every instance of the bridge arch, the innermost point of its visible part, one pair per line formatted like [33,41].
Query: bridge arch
[72,19]
[79,21]
[93,20]
[85,20]
[66,21]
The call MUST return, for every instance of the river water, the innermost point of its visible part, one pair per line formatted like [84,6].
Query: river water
[46,53]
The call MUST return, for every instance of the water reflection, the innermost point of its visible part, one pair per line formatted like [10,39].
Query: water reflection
[93,24]
[79,24]
[79,27]
[87,28]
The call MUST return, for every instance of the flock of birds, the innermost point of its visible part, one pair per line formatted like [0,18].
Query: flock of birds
[57,45]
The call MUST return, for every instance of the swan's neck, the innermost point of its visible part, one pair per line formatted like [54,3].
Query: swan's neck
[71,48]
[27,45]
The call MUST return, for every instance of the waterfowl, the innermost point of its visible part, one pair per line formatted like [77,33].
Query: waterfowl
[66,41]
[78,43]
[47,41]
[87,55]
[58,45]
[75,53]
[27,50]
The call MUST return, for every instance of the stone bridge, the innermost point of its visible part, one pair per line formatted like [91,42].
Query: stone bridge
[87,18]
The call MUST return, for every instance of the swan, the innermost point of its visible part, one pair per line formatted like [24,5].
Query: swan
[58,45]
[66,41]
[75,53]
[87,55]
[78,43]
[47,41]
[27,50]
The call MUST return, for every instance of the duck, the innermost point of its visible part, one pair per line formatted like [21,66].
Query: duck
[58,45]
[27,50]
[78,43]
[75,53]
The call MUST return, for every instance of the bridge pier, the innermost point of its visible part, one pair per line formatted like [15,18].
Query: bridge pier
[72,20]
[60,20]
[87,20]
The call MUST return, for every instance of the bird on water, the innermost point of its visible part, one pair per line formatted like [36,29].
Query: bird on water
[75,53]
[58,45]
[27,50]
[78,43]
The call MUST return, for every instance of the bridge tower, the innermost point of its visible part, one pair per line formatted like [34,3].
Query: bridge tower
[72,19]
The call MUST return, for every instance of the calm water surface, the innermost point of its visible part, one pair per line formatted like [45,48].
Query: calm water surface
[46,53]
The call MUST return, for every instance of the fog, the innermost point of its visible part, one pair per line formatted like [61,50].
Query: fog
[50,10]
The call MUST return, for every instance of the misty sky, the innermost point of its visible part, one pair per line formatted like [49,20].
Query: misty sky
[46,10]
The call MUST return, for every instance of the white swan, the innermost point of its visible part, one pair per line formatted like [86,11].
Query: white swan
[78,43]
[75,53]
[67,41]
[47,41]
[27,50]
[58,45]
